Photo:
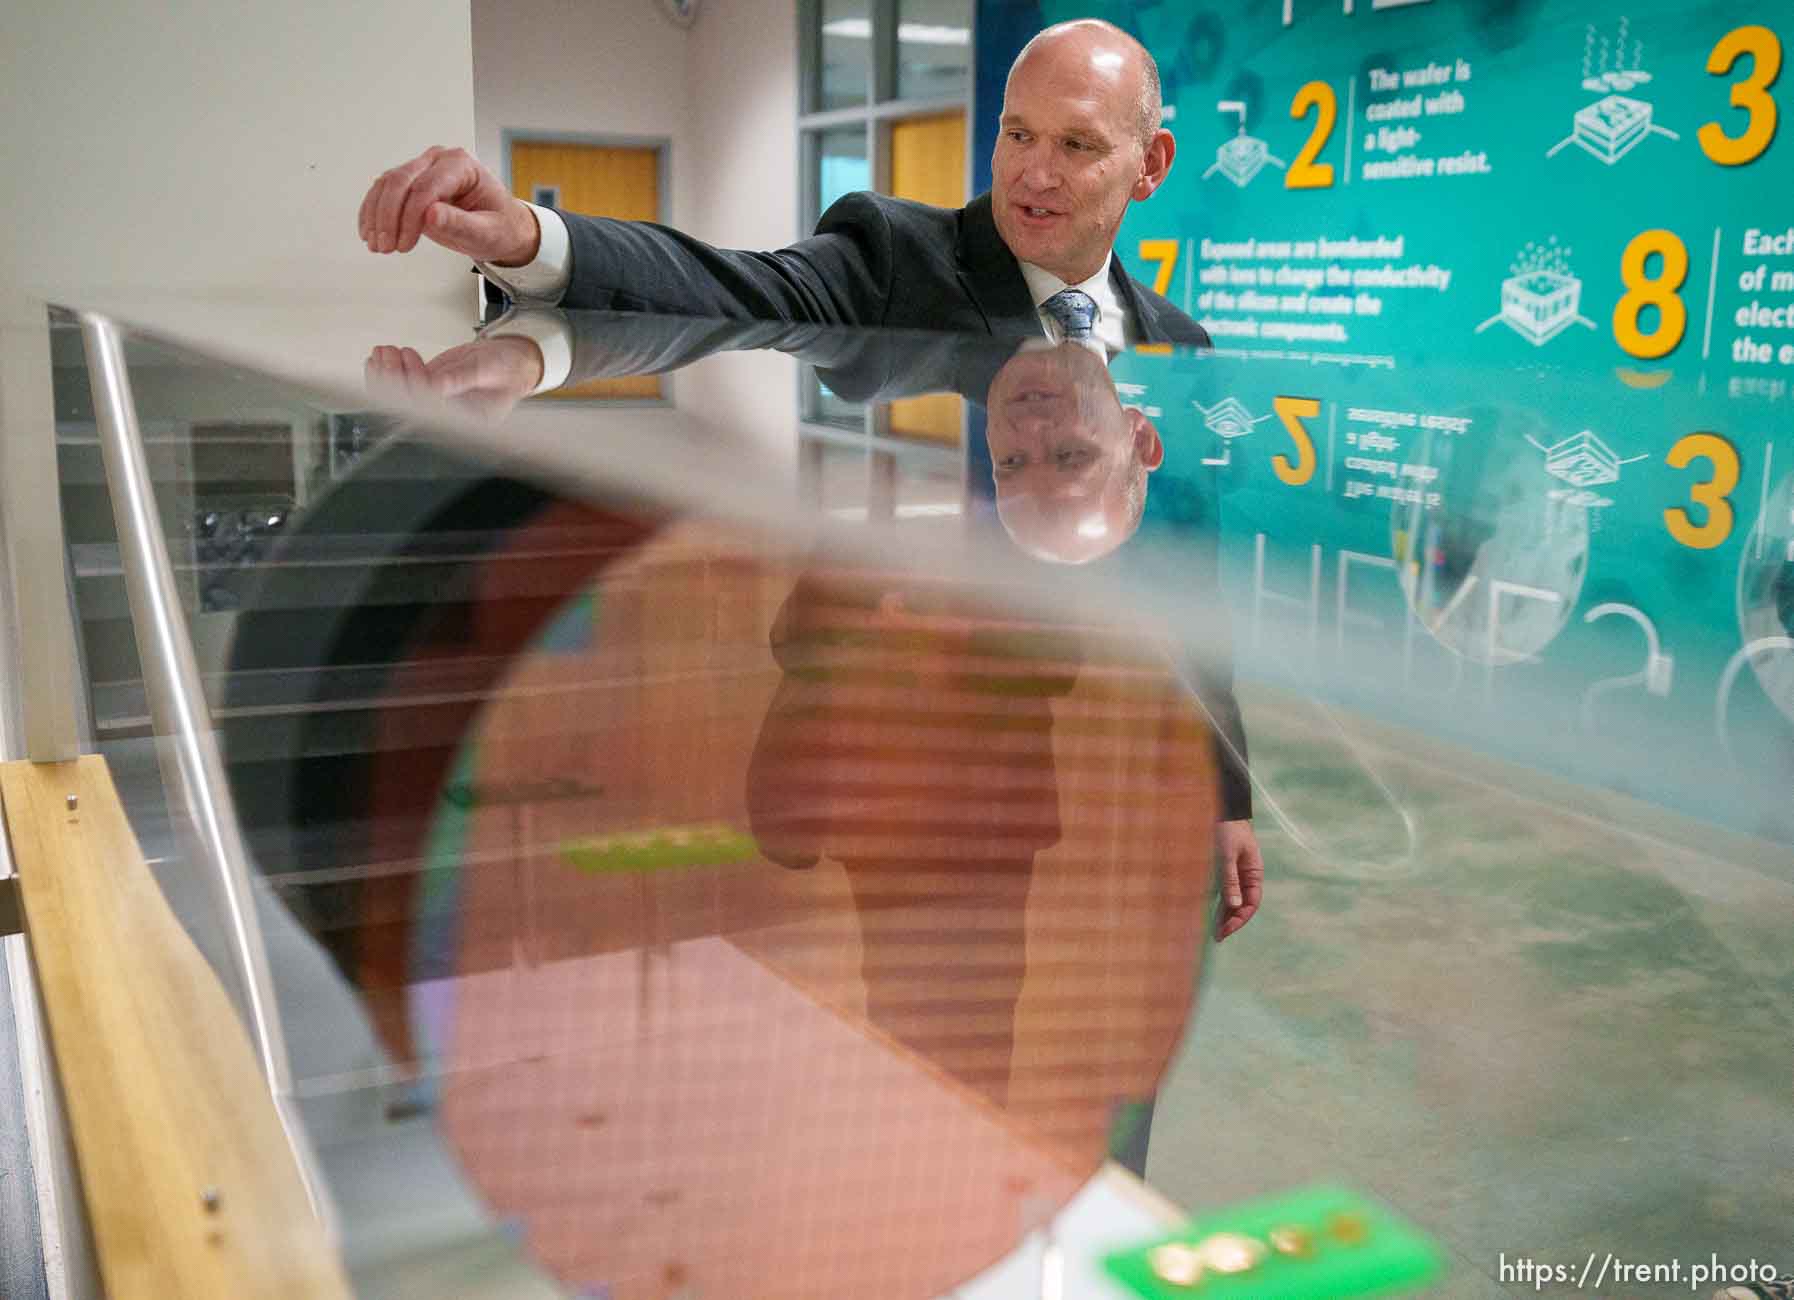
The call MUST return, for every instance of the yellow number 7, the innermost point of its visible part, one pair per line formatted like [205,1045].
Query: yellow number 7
[1164,252]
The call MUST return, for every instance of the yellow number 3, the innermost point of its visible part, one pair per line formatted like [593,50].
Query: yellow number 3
[1710,496]
[1751,94]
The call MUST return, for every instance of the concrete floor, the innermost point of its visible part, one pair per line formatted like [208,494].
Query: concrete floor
[1549,1031]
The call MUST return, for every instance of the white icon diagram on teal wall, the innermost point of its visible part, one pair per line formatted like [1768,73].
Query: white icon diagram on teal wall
[1227,419]
[1614,125]
[1584,462]
[1540,299]
[1242,157]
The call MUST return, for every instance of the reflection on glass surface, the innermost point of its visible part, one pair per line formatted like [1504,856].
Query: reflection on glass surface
[827,408]
[234,457]
[701,979]
[842,166]
[841,480]
[934,48]
[1069,464]
[928,488]
[846,39]
[711,874]
[653,845]
[679,870]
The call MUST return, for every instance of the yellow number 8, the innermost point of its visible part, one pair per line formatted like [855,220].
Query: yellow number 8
[1657,291]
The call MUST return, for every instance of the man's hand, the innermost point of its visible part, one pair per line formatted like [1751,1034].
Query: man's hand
[1242,875]
[447,196]
[486,377]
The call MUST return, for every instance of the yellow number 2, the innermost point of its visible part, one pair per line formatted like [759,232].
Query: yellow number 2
[1304,173]
[1657,291]
[1291,411]
[1710,496]
[1751,94]
[1164,252]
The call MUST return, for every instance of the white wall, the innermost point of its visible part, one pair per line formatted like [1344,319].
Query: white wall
[742,65]
[741,60]
[216,144]
[203,161]
[601,67]
[724,93]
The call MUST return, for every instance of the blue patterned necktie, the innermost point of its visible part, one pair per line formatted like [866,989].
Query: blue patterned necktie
[1075,311]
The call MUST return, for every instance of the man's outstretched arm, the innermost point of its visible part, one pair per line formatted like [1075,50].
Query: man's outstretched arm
[839,276]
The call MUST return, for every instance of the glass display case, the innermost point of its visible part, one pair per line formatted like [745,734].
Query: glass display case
[670,867]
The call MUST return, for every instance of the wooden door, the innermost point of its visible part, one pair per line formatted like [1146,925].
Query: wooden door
[598,181]
[928,164]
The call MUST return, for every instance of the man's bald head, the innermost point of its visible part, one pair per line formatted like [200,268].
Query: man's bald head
[1079,139]
[1092,37]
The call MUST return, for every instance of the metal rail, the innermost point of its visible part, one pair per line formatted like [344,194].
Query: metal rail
[192,769]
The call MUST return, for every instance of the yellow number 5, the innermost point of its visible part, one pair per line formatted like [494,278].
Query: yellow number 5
[1291,410]
[1751,94]
[1710,496]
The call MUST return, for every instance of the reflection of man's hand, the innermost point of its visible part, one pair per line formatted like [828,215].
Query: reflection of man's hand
[1242,875]
[486,377]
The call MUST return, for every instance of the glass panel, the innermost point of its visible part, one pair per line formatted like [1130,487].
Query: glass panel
[930,491]
[560,917]
[858,483]
[934,48]
[840,164]
[643,849]
[825,407]
[841,480]
[846,45]
[235,458]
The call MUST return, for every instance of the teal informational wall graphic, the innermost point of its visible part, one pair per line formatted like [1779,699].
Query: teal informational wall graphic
[1502,296]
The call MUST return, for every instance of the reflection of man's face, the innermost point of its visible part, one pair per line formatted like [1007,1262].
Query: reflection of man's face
[1070,464]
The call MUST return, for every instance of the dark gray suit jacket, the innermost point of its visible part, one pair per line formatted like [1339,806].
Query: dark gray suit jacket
[874,261]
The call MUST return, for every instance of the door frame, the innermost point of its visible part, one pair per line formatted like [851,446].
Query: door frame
[662,146]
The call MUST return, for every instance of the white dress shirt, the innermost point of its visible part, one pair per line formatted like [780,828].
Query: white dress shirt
[542,282]
[1111,318]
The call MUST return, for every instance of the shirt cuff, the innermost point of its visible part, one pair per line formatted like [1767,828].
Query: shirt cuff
[549,332]
[543,281]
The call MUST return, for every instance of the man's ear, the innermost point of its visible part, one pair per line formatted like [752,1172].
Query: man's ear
[1148,446]
[1160,150]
